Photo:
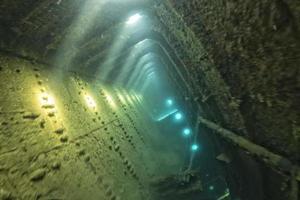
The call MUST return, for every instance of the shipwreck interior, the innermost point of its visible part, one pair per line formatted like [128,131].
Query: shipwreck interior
[149,99]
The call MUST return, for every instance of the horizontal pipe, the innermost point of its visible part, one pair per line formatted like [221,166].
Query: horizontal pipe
[276,161]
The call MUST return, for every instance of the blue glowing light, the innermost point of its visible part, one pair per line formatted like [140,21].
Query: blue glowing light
[178,116]
[169,102]
[187,131]
[195,147]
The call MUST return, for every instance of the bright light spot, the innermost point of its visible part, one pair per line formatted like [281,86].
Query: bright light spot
[169,102]
[227,194]
[139,44]
[186,131]
[47,100]
[211,188]
[133,19]
[109,99]
[167,115]
[90,101]
[194,147]
[178,116]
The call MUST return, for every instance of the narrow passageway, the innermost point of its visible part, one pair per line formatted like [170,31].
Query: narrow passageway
[149,99]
